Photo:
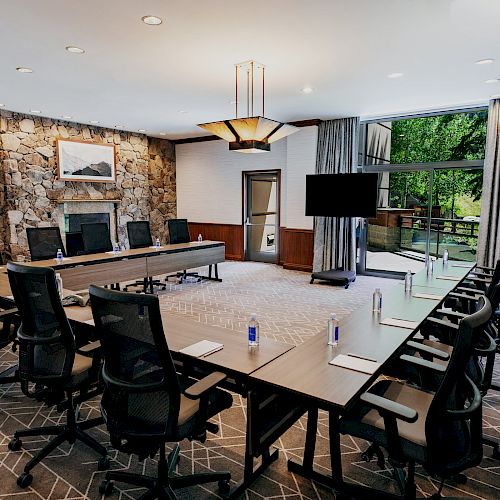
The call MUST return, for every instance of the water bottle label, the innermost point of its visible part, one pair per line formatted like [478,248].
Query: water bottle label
[252,333]
[336,334]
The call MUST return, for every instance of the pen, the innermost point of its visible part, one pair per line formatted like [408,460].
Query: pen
[366,358]
[215,350]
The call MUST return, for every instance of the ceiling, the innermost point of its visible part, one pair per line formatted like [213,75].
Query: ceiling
[167,78]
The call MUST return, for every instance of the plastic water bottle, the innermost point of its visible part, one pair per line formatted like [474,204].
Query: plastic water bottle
[59,256]
[157,244]
[446,256]
[116,248]
[253,331]
[59,285]
[430,266]
[408,281]
[333,330]
[377,301]
[200,238]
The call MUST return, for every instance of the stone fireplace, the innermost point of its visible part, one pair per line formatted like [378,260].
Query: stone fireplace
[32,195]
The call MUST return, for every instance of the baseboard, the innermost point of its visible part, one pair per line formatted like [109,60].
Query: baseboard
[297,267]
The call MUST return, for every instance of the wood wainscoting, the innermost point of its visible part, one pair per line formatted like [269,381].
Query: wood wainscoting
[296,249]
[296,245]
[230,234]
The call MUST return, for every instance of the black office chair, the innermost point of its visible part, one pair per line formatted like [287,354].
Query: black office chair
[440,430]
[44,242]
[145,404]
[96,237]
[139,236]
[48,356]
[178,231]
[74,243]
[9,322]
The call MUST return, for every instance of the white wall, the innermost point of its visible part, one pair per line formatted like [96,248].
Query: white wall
[209,178]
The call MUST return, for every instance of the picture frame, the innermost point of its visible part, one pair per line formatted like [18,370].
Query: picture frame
[85,161]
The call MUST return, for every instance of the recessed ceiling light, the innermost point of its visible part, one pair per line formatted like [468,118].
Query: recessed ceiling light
[307,90]
[67,117]
[492,80]
[151,20]
[141,130]
[35,111]
[394,75]
[74,50]
[94,122]
[484,61]
[21,69]
[163,133]
[182,111]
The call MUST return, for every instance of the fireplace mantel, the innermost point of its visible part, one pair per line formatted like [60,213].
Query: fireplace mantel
[69,200]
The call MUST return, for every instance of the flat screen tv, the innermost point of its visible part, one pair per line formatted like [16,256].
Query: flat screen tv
[341,195]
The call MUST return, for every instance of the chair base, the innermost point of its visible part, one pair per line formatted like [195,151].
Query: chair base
[70,432]
[165,483]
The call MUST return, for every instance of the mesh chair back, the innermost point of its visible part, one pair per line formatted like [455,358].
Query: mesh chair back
[178,231]
[96,237]
[46,341]
[453,441]
[44,242]
[142,393]
[139,234]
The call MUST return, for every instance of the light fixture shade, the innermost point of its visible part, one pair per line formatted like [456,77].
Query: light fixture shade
[253,134]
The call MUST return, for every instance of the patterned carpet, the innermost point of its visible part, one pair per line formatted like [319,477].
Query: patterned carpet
[289,310]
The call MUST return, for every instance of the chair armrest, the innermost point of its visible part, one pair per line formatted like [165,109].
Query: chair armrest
[204,385]
[464,296]
[435,353]
[423,363]
[475,404]
[491,348]
[466,289]
[8,312]
[478,280]
[449,312]
[89,349]
[486,268]
[442,322]
[389,407]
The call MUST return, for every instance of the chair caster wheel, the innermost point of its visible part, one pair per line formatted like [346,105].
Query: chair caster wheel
[24,480]
[224,486]
[15,444]
[103,464]
[106,488]
[365,457]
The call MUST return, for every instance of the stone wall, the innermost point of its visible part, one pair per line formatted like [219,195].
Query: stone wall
[30,189]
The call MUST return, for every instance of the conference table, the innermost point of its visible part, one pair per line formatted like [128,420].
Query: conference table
[282,382]
[305,372]
[105,268]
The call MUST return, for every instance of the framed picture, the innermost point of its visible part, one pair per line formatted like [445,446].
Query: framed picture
[86,161]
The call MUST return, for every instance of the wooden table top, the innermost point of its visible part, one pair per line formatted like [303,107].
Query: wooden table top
[80,260]
[305,370]
[236,357]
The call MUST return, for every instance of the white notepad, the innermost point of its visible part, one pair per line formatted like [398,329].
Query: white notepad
[430,296]
[356,364]
[202,348]
[401,323]
[467,266]
[89,322]
[449,278]
[113,253]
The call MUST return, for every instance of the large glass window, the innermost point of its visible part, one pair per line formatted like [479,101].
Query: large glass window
[430,182]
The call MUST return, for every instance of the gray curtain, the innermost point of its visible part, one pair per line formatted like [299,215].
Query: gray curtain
[335,237]
[488,248]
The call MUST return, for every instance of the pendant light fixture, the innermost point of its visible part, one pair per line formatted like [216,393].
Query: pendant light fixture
[252,133]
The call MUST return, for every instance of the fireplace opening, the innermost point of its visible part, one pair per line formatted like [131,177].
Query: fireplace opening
[73,230]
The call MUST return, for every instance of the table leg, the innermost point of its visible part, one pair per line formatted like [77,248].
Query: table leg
[252,472]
